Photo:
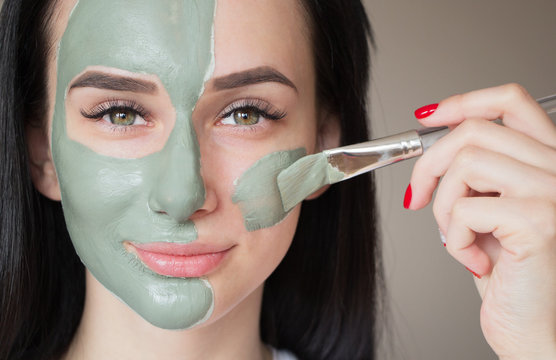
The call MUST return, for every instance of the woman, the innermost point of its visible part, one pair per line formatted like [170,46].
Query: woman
[281,327]
[146,116]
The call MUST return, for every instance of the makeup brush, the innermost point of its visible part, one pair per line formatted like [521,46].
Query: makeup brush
[312,172]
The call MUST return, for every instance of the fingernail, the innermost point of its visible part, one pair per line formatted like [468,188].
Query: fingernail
[407,197]
[425,111]
[442,237]
[473,272]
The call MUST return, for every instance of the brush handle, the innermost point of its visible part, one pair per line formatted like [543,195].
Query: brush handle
[430,135]
[356,159]
[548,103]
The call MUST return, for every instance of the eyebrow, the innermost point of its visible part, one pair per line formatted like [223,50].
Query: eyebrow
[252,76]
[113,82]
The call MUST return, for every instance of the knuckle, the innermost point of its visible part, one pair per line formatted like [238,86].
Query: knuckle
[470,129]
[467,156]
[472,125]
[459,99]
[460,208]
[515,92]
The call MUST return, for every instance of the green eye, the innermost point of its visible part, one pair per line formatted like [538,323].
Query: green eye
[124,118]
[246,117]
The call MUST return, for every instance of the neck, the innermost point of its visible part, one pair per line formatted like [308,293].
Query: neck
[109,329]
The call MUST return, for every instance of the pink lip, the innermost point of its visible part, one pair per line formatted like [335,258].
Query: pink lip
[180,260]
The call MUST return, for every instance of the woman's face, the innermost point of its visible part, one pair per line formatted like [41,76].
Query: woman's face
[170,122]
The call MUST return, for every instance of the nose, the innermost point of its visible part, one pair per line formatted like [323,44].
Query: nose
[179,191]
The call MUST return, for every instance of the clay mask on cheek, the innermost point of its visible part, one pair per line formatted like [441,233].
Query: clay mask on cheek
[257,193]
[108,200]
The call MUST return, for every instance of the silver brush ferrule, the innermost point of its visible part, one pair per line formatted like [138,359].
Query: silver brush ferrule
[360,158]
[356,159]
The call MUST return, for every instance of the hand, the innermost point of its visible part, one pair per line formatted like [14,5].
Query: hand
[496,205]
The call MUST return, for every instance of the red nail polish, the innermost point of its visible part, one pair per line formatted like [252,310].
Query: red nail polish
[407,197]
[425,111]
[474,273]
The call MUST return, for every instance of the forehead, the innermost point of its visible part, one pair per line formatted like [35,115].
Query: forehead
[153,36]
[170,38]
[251,33]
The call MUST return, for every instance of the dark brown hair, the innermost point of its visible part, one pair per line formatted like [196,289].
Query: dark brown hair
[321,301]
[41,277]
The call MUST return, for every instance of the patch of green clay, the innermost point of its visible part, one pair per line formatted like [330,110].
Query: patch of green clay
[304,177]
[109,200]
[257,192]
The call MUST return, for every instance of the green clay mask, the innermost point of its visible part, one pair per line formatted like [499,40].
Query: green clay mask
[306,176]
[257,192]
[109,200]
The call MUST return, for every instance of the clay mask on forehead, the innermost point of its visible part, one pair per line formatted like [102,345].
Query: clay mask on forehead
[109,200]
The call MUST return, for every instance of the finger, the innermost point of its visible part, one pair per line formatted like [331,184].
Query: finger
[523,227]
[511,103]
[481,284]
[484,171]
[481,133]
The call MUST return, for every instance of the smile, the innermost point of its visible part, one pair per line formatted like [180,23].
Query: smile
[179,260]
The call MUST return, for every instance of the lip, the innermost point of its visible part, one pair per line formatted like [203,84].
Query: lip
[179,260]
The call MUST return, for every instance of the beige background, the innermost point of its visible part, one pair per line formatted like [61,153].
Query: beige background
[427,50]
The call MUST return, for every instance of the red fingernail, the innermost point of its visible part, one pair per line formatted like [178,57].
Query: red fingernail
[473,272]
[442,237]
[425,111]
[407,197]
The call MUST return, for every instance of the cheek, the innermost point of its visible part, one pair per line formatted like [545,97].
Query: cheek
[105,203]
[97,193]
[259,252]
[242,173]
[101,199]
[254,260]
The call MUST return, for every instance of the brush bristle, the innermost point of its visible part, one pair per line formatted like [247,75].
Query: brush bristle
[304,177]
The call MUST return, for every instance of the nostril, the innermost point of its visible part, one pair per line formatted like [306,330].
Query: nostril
[154,206]
[198,214]
[180,206]
[178,191]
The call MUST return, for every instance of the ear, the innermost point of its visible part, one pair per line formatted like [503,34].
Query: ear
[328,137]
[41,165]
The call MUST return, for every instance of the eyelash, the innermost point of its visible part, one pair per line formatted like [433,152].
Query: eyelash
[259,106]
[98,112]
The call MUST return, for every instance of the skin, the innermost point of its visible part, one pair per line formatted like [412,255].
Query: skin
[109,199]
[496,206]
[260,201]
[110,328]
[512,258]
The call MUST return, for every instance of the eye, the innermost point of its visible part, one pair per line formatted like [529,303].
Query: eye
[245,116]
[250,112]
[124,117]
[118,113]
